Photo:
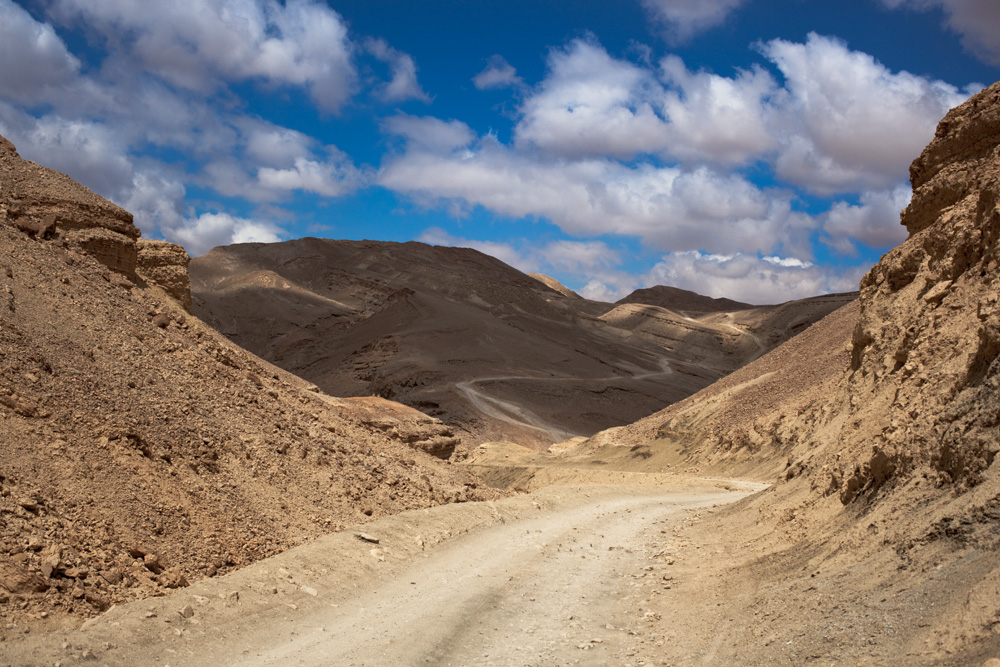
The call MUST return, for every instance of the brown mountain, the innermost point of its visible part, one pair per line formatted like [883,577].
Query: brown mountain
[464,337]
[879,429]
[676,299]
[141,450]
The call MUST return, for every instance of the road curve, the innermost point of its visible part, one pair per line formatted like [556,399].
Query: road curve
[550,578]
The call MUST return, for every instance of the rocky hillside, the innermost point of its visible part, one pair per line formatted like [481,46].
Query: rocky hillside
[673,298]
[472,341]
[450,331]
[885,459]
[141,449]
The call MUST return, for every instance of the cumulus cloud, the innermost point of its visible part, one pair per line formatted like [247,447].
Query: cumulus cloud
[429,133]
[840,122]
[873,222]
[208,230]
[668,207]
[498,73]
[848,123]
[977,21]
[403,85]
[33,59]
[591,104]
[198,44]
[750,278]
[91,151]
[330,178]
[716,118]
[685,18]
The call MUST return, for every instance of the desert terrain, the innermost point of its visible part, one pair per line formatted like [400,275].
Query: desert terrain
[463,337]
[830,500]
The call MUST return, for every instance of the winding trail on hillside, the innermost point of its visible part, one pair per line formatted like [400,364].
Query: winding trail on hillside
[518,415]
[761,347]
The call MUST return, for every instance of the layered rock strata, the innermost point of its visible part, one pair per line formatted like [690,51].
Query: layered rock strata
[46,204]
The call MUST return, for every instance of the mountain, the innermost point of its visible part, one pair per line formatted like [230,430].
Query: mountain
[878,426]
[676,299]
[552,283]
[461,336]
[141,449]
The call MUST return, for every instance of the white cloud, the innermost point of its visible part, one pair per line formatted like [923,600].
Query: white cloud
[684,18]
[592,261]
[841,121]
[33,59]
[208,230]
[91,152]
[580,257]
[597,290]
[403,85]
[197,44]
[750,278]
[498,73]
[331,178]
[745,277]
[156,202]
[428,133]
[715,118]
[668,207]
[848,123]
[274,145]
[874,222]
[977,21]
[591,104]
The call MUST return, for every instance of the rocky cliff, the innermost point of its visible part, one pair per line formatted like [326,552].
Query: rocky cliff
[166,264]
[139,449]
[45,204]
[879,428]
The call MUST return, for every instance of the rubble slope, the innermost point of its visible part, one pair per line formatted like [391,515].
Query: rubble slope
[143,451]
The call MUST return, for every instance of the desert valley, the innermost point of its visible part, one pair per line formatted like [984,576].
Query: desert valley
[369,453]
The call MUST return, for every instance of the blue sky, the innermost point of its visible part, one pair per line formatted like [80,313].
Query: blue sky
[755,149]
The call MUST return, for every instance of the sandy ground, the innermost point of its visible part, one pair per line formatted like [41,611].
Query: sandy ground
[565,575]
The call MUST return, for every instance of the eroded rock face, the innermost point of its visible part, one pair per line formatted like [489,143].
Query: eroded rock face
[166,264]
[402,424]
[923,390]
[46,204]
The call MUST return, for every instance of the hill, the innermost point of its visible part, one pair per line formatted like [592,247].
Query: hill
[681,300]
[879,429]
[143,451]
[465,338]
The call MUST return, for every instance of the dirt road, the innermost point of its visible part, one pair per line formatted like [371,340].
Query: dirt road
[519,415]
[560,576]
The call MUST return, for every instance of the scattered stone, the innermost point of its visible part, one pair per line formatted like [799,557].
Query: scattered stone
[187,611]
[365,537]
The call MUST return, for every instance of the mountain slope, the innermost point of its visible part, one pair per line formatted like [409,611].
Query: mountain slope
[466,338]
[141,449]
[676,299]
[451,331]
[886,493]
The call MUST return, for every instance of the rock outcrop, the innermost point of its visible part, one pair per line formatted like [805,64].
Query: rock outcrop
[140,450]
[44,203]
[923,389]
[166,264]
[919,397]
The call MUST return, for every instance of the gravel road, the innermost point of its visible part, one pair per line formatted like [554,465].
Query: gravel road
[550,578]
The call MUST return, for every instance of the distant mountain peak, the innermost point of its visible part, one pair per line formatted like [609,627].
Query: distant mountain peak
[674,298]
